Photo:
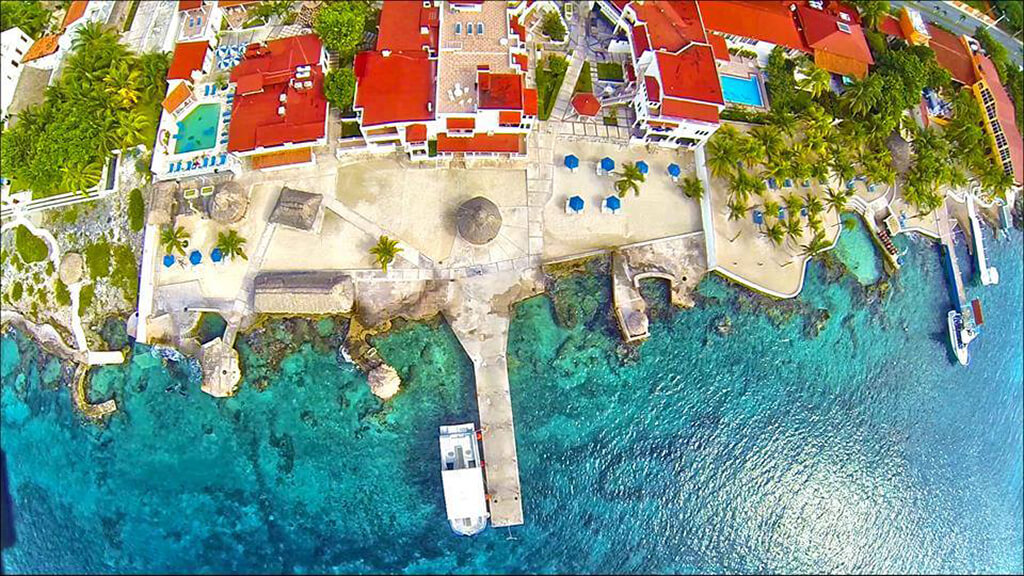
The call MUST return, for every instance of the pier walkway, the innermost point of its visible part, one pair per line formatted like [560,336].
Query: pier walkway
[989,275]
[946,236]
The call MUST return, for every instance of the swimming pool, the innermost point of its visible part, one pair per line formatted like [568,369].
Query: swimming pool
[198,130]
[742,90]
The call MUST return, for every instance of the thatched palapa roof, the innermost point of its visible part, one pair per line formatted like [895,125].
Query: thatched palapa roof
[478,220]
[229,204]
[296,208]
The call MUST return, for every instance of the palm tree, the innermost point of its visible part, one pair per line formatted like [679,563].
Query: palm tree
[816,81]
[231,244]
[174,239]
[784,121]
[996,181]
[793,227]
[630,178]
[131,126]
[385,251]
[814,206]
[770,137]
[860,96]
[89,35]
[836,199]
[816,244]
[775,232]
[752,151]
[737,208]
[872,11]
[722,155]
[739,186]
[80,176]
[692,188]
[771,209]
[122,83]
[793,203]
[153,66]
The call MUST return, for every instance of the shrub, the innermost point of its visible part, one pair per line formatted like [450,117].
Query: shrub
[30,247]
[609,71]
[97,258]
[16,290]
[552,26]
[584,83]
[85,298]
[339,87]
[126,272]
[340,26]
[61,294]
[31,16]
[136,210]
[549,76]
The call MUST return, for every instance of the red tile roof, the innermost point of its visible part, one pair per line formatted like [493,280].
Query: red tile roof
[952,55]
[1005,115]
[395,88]
[460,123]
[416,133]
[401,23]
[500,91]
[522,60]
[43,47]
[530,102]
[671,25]
[189,5]
[498,143]
[821,32]
[689,110]
[188,56]
[691,74]
[517,28]
[653,89]
[75,11]
[586,104]
[640,42]
[891,27]
[282,158]
[719,47]
[510,117]
[255,121]
[766,20]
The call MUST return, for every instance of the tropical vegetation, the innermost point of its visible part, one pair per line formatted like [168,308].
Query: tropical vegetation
[549,76]
[629,178]
[385,252]
[340,88]
[107,98]
[231,244]
[340,26]
[552,27]
[29,15]
[174,239]
[30,247]
[691,187]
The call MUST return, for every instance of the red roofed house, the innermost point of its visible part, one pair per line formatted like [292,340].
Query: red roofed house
[279,106]
[190,59]
[678,95]
[48,51]
[998,117]
[451,72]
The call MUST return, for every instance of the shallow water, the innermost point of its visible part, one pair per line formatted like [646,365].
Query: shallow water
[864,449]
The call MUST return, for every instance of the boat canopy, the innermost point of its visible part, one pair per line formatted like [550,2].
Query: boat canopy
[464,493]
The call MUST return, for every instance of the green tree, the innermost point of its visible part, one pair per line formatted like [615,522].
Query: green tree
[872,11]
[630,178]
[692,188]
[385,252]
[28,15]
[722,154]
[270,8]
[79,176]
[340,26]
[837,199]
[340,87]
[770,137]
[816,244]
[131,127]
[552,27]
[152,69]
[775,232]
[737,208]
[174,239]
[122,83]
[794,229]
[231,244]
[30,247]
[860,96]
[816,81]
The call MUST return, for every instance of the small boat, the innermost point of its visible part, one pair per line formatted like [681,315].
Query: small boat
[463,479]
[960,335]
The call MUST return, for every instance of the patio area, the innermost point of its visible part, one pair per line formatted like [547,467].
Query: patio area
[660,210]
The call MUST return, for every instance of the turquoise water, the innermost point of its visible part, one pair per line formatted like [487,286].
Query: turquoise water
[197,130]
[756,448]
[858,252]
[737,90]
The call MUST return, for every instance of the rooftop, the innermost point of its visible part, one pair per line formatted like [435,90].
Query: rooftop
[671,25]
[691,74]
[407,25]
[395,88]
[43,47]
[75,11]
[1005,115]
[469,40]
[296,208]
[766,20]
[188,57]
[952,54]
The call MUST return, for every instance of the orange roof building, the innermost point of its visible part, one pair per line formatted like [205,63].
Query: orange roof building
[43,47]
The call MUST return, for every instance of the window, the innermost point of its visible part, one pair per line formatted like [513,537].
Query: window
[469,28]
[479,27]
[458,27]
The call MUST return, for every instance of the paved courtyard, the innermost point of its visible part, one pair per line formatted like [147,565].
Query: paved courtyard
[660,210]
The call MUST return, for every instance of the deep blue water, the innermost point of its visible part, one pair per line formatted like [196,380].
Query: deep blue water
[862,449]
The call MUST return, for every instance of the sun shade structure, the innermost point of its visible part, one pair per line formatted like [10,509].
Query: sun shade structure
[216,255]
[572,162]
[229,204]
[674,170]
[478,220]
[612,204]
[575,204]
[607,164]
[296,209]
[195,258]
[586,104]
[643,167]
[168,260]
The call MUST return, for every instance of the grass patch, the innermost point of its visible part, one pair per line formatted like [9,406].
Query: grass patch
[16,290]
[30,247]
[126,272]
[609,71]
[97,258]
[431,148]
[350,129]
[61,294]
[584,83]
[85,298]
[549,76]
[136,210]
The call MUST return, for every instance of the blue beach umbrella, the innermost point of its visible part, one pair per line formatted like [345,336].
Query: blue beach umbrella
[216,255]
[195,257]
[607,164]
[576,203]
[572,162]
[168,260]
[643,167]
[613,203]
[758,217]
[674,171]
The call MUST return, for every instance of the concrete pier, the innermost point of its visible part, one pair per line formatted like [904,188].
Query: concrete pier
[988,274]
[946,236]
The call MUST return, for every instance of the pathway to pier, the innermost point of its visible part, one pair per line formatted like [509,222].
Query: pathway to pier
[946,235]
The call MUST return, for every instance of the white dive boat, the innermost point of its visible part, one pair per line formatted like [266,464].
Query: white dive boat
[962,330]
[463,479]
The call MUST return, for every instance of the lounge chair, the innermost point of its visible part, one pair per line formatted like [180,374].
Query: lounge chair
[223,160]
[787,183]
[782,213]
[171,169]
[206,161]
[206,191]
[758,217]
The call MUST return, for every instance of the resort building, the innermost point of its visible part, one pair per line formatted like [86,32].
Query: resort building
[48,52]
[678,93]
[14,44]
[452,73]
[197,20]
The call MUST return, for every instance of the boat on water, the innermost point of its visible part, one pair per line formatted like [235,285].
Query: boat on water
[963,329]
[462,477]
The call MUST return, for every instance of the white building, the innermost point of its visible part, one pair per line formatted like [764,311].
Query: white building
[14,44]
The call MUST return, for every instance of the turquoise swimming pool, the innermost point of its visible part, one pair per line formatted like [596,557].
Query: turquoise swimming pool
[742,90]
[198,130]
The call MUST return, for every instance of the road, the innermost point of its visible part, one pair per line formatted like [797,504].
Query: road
[949,17]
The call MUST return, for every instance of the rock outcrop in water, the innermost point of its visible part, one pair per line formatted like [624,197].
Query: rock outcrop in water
[384,381]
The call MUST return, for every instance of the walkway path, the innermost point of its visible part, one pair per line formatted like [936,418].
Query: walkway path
[576,44]
[946,235]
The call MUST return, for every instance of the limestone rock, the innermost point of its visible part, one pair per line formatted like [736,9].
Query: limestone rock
[70,268]
[384,381]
